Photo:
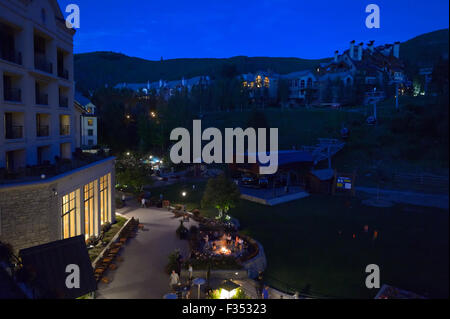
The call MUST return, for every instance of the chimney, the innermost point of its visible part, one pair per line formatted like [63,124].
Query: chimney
[360,51]
[336,56]
[397,49]
[352,49]
[370,46]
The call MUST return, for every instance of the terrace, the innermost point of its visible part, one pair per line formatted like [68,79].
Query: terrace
[45,170]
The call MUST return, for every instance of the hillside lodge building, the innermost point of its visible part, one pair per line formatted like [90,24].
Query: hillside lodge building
[376,67]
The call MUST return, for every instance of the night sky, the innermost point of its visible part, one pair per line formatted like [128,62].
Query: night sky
[279,28]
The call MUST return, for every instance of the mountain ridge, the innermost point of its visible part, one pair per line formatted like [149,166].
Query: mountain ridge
[95,69]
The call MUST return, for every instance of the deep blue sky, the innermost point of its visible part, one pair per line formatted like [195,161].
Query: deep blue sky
[224,28]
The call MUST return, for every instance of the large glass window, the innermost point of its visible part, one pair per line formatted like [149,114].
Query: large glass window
[89,210]
[70,216]
[104,199]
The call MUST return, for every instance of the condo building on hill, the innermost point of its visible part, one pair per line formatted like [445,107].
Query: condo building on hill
[49,188]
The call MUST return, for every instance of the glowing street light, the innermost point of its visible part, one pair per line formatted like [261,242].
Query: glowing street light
[153,114]
[183,194]
[128,154]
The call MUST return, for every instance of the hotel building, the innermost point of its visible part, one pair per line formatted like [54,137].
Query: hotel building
[49,188]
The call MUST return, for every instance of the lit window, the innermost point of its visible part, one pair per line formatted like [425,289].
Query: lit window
[90,122]
[258,81]
[90,219]
[104,199]
[70,216]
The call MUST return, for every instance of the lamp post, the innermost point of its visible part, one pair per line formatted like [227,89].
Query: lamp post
[228,289]
[198,282]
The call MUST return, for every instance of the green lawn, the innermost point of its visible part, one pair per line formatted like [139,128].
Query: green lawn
[303,246]
[368,150]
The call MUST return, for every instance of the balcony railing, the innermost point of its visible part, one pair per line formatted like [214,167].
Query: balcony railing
[63,73]
[63,101]
[41,63]
[11,56]
[12,95]
[14,132]
[30,173]
[43,130]
[64,130]
[42,99]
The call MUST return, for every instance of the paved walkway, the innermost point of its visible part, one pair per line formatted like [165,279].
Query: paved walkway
[407,197]
[141,275]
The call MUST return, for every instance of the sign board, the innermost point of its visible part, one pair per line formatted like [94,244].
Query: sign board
[344,182]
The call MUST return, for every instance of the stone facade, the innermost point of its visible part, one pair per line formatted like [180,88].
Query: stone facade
[29,215]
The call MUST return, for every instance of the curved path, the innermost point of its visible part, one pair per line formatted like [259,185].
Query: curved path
[141,274]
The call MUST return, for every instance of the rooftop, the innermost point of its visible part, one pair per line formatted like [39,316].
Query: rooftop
[44,172]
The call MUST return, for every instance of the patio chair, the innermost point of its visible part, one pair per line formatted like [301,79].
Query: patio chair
[112,267]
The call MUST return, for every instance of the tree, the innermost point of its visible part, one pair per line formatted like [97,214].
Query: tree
[132,172]
[283,92]
[221,193]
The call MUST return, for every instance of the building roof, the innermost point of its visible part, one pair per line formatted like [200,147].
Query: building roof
[49,261]
[81,99]
[298,74]
[323,174]
[286,157]
[390,292]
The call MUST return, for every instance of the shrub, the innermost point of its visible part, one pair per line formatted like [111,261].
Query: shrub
[181,230]
[196,212]
[105,227]
[6,252]
[91,241]
[172,263]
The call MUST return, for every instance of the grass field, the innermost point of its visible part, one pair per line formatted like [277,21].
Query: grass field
[305,250]
[369,150]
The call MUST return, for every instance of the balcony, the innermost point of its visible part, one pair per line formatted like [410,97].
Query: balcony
[42,131]
[11,56]
[64,130]
[14,132]
[41,63]
[63,101]
[12,95]
[42,99]
[63,73]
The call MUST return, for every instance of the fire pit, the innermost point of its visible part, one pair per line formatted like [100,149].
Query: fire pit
[220,248]
[223,246]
